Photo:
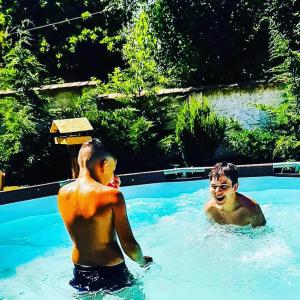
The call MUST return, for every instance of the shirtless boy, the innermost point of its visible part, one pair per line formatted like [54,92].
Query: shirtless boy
[226,205]
[94,215]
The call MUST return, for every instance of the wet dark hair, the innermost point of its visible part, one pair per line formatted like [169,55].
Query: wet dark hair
[224,168]
[94,150]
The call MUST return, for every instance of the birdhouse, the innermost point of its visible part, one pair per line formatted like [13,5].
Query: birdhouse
[72,133]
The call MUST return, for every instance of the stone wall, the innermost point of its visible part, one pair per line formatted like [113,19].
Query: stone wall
[240,102]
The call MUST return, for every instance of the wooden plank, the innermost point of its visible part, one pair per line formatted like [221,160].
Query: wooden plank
[70,125]
[71,140]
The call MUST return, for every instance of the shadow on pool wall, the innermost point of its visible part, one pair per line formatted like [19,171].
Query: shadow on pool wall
[171,175]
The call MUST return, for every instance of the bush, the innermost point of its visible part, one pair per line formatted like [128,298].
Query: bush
[255,145]
[287,148]
[124,129]
[199,132]
[24,120]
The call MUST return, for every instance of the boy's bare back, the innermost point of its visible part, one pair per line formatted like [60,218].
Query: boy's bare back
[87,208]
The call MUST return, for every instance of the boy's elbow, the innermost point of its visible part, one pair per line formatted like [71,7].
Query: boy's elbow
[259,222]
[130,248]
[262,218]
[263,222]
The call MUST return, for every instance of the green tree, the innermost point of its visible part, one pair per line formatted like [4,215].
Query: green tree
[285,62]
[83,41]
[142,74]
[280,137]
[209,42]
[138,125]
[24,130]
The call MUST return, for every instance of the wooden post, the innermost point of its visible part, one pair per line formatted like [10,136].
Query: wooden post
[2,176]
[73,150]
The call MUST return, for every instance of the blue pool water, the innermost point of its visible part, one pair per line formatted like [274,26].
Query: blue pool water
[193,259]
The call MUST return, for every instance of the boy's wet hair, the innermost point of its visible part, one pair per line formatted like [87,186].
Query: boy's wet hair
[91,151]
[224,168]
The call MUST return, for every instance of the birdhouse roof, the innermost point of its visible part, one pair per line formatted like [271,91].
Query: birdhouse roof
[71,125]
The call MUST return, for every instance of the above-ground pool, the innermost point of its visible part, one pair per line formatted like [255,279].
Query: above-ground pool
[193,258]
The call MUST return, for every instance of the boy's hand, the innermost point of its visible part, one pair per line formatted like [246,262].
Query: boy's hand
[115,183]
[147,261]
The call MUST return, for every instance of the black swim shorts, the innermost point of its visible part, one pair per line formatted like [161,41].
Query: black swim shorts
[106,278]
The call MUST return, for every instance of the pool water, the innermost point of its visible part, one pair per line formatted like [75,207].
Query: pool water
[193,258]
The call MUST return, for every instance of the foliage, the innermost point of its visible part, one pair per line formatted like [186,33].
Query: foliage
[174,52]
[251,145]
[199,42]
[142,75]
[284,126]
[135,124]
[124,127]
[287,148]
[137,47]
[284,120]
[261,145]
[208,42]
[24,119]
[16,123]
[286,64]
[199,131]
[22,112]
[74,106]
[22,69]
[285,15]
[3,33]
[138,126]
[280,138]
[76,46]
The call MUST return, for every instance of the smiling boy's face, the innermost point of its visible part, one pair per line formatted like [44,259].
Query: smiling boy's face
[222,190]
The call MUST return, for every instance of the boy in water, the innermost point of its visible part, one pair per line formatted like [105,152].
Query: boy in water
[226,205]
[94,215]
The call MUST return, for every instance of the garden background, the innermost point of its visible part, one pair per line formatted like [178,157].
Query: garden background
[134,50]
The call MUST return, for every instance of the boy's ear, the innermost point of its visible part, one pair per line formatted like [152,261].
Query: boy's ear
[236,186]
[103,163]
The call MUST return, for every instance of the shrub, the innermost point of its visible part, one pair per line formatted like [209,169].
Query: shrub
[199,132]
[255,145]
[287,148]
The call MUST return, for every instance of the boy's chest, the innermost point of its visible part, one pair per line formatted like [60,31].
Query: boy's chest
[237,217]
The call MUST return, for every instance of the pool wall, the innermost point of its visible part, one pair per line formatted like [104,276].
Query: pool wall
[180,174]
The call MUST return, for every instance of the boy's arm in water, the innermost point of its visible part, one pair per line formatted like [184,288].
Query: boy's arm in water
[127,240]
[257,217]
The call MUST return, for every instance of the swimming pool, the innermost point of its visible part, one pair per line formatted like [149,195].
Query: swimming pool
[193,259]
